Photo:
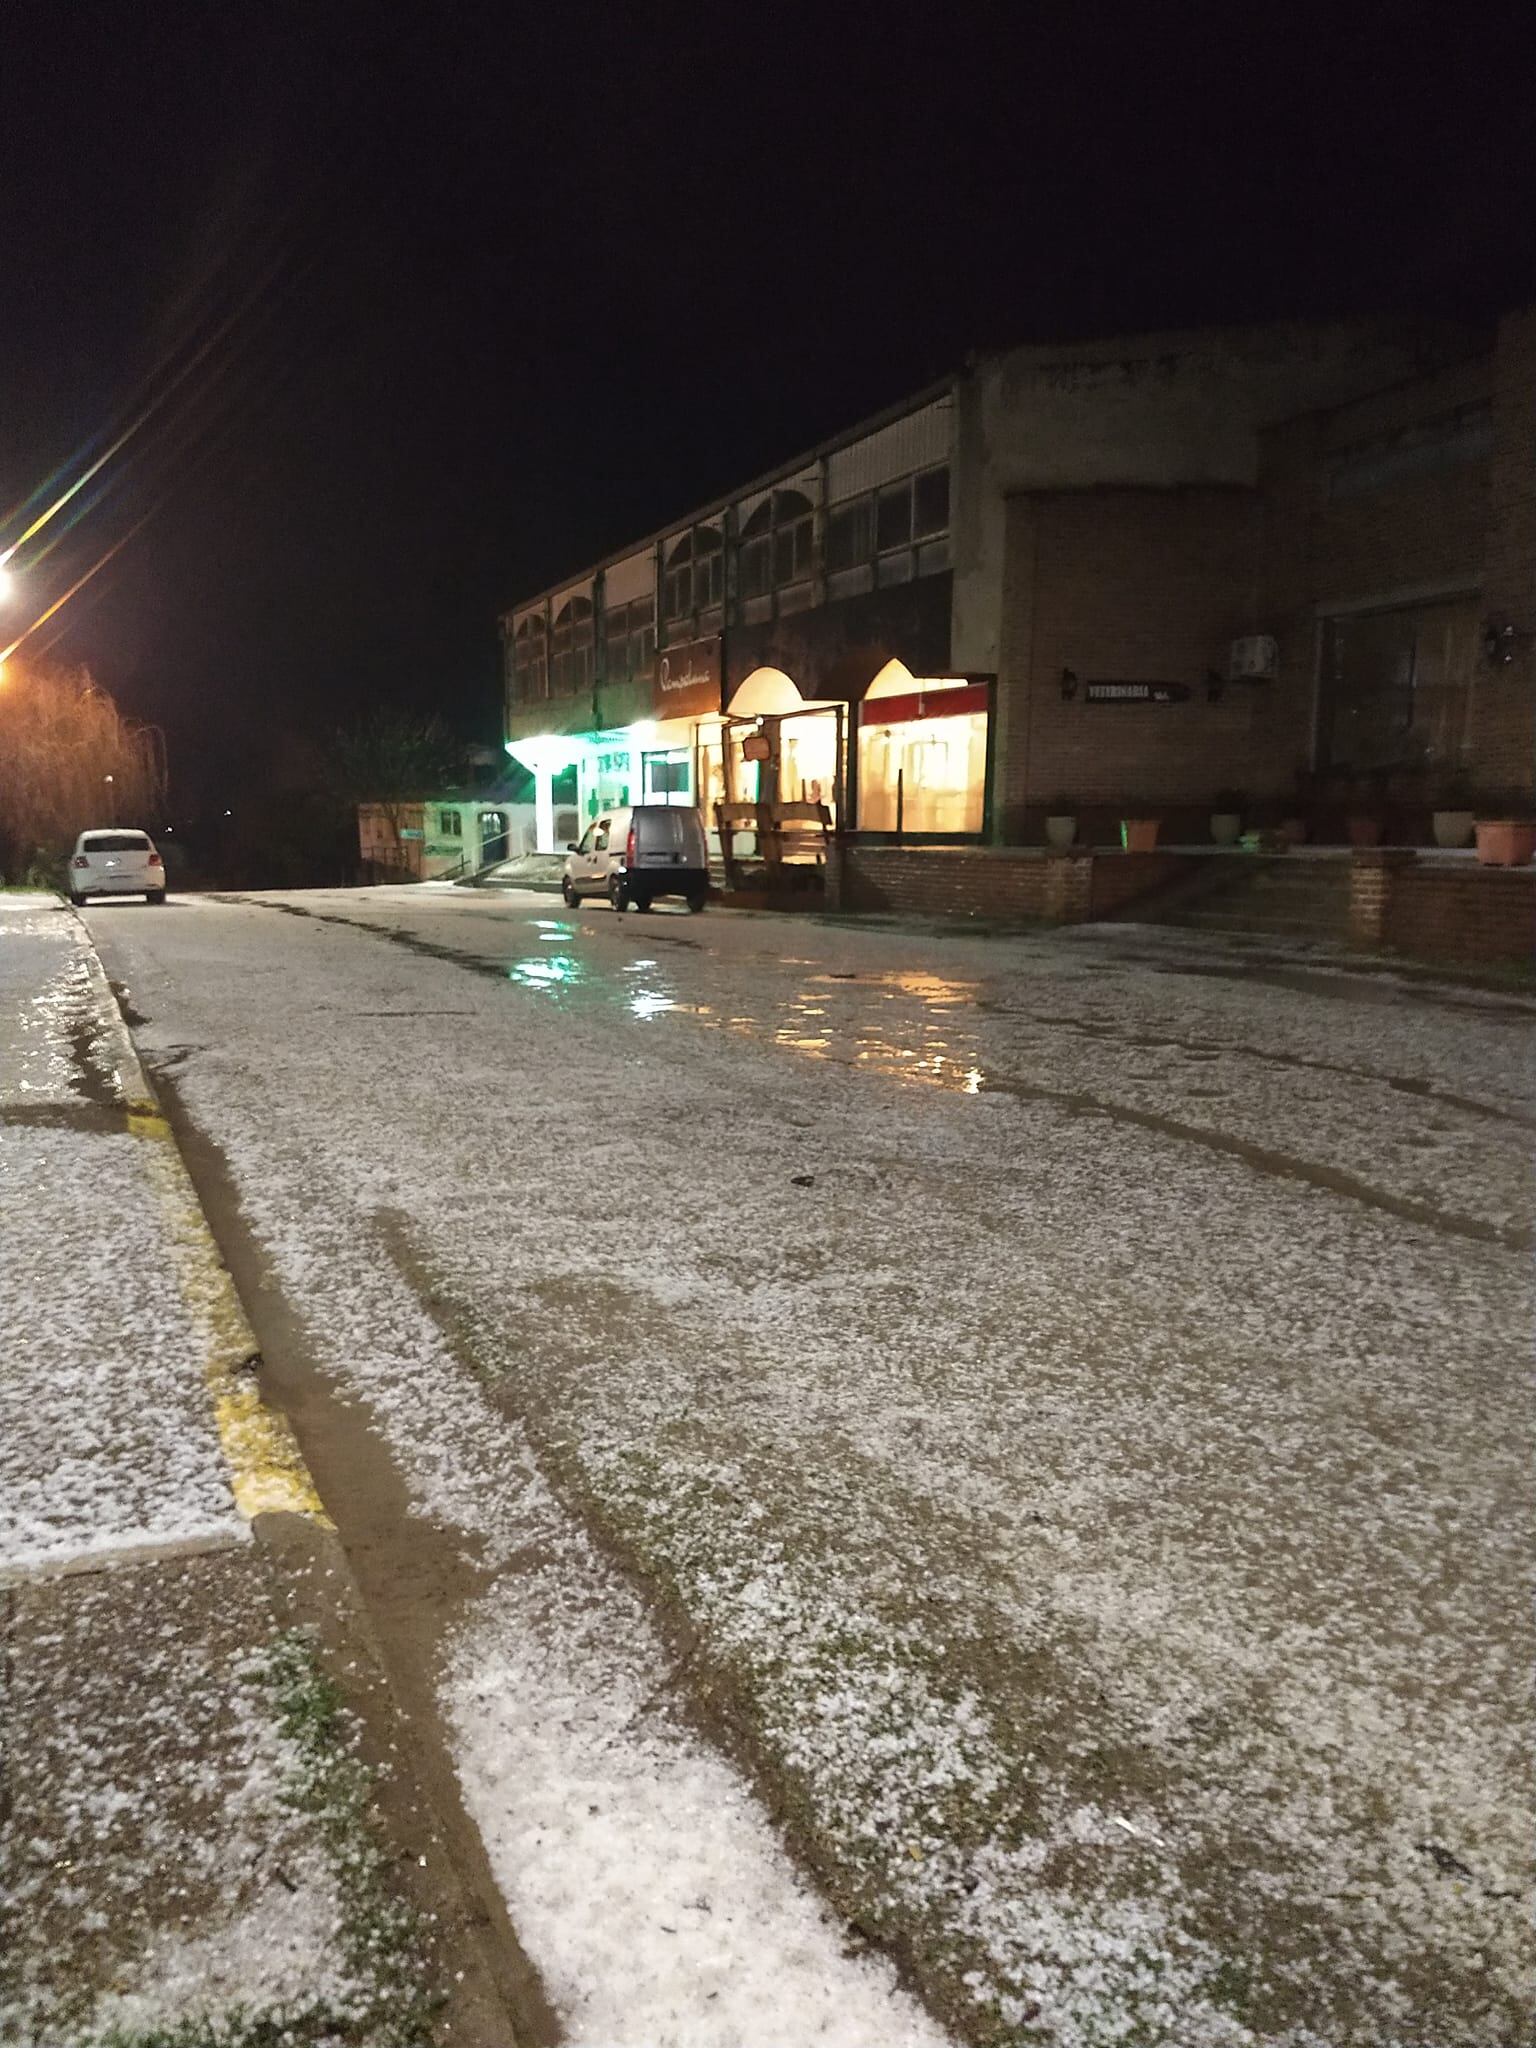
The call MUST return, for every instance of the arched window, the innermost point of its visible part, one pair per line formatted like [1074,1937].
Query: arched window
[775,552]
[754,551]
[530,658]
[708,574]
[693,580]
[792,530]
[677,581]
[571,646]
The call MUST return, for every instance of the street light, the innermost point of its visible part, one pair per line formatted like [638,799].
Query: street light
[111,799]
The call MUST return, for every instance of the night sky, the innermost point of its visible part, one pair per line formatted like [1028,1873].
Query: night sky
[483,294]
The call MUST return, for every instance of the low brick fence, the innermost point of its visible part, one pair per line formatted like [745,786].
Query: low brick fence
[1441,910]
[1430,907]
[1001,884]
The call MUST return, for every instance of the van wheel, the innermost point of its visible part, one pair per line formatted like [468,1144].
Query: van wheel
[77,899]
[618,895]
[642,903]
[154,896]
[571,898]
[696,900]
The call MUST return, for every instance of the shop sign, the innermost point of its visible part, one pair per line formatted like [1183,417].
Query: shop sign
[916,704]
[1135,693]
[688,679]
[755,747]
[412,832]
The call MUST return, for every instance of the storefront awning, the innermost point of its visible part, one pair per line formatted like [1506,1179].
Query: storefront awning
[948,702]
[770,693]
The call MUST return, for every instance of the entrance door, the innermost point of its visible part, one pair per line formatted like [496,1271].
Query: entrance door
[1397,687]
[493,837]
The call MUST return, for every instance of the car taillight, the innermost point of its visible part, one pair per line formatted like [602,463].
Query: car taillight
[81,861]
[629,848]
[155,861]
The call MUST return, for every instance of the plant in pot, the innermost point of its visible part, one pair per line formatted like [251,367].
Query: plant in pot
[1295,828]
[1139,835]
[1227,808]
[1454,818]
[1506,833]
[1061,822]
[1366,810]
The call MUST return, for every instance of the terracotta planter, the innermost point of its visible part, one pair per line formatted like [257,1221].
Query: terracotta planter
[1060,832]
[1139,835]
[1364,831]
[1226,827]
[1505,842]
[1454,828]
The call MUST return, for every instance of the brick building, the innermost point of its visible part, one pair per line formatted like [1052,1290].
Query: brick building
[1295,561]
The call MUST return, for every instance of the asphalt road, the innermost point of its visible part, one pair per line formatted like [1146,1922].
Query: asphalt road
[1037,1426]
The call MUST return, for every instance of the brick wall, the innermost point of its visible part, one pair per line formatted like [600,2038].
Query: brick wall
[1504,700]
[1439,911]
[1153,585]
[999,884]
[1123,585]
[1432,910]
[1415,531]
[1396,539]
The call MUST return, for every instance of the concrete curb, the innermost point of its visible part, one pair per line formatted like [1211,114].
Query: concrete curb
[267,1470]
[494,1997]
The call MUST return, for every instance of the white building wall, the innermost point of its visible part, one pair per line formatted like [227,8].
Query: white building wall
[634,577]
[917,441]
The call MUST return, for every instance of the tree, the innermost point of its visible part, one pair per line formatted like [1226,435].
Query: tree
[69,759]
[393,759]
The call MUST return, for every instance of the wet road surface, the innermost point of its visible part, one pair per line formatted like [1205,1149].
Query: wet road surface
[1045,1409]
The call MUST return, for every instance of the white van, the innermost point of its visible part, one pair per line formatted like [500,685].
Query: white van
[633,856]
[112,862]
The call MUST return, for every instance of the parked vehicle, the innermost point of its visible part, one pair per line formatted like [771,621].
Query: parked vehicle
[114,862]
[633,856]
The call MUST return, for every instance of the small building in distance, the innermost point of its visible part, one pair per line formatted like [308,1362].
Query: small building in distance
[442,838]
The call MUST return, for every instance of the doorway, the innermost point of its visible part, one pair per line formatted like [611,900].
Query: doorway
[493,838]
[1395,691]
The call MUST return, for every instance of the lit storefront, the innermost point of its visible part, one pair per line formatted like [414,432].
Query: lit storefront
[922,754]
[780,747]
[671,758]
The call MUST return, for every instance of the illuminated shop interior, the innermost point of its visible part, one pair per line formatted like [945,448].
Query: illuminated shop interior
[922,754]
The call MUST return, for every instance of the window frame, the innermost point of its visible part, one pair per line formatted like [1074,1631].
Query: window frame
[921,550]
[530,638]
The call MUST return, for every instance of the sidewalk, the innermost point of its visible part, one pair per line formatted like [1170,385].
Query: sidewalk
[187,1830]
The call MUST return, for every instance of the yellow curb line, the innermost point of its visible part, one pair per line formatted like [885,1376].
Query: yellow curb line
[267,1470]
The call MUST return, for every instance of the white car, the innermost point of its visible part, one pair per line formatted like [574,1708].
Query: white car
[116,862]
[634,855]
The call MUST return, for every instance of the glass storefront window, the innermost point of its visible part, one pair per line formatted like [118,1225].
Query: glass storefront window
[711,775]
[1396,686]
[742,773]
[808,759]
[666,777]
[942,766]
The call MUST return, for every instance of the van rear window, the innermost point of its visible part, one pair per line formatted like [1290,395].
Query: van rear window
[115,842]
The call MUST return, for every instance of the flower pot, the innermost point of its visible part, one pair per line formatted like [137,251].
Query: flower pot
[1364,830]
[1060,832]
[1454,828]
[1505,842]
[1226,827]
[1138,835]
